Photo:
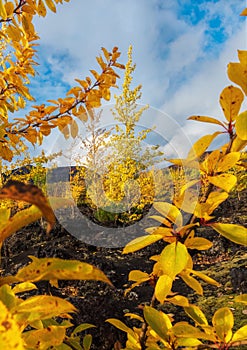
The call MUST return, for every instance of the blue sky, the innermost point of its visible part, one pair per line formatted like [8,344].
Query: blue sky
[181,49]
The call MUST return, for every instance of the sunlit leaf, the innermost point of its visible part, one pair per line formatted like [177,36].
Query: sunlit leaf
[50,269]
[235,233]
[223,322]
[3,12]
[170,212]
[204,277]
[178,300]
[240,334]
[224,181]
[201,145]
[51,5]
[10,333]
[136,275]
[228,161]
[44,338]
[241,126]
[184,330]
[192,283]
[206,119]
[231,99]
[163,287]
[173,259]
[242,298]
[237,72]
[24,287]
[198,243]
[158,321]
[196,314]
[141,242]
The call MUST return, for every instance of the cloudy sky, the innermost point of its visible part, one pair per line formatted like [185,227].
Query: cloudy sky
[181,49]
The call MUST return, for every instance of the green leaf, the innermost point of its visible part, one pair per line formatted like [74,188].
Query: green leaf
[231,99]
[163,288]
[7,296]
[120,325]
[87,341]
[235,233]
[158,321]
[173,259]
[82,327]
[241,126]
[141,242]
[223,322]
[170,212]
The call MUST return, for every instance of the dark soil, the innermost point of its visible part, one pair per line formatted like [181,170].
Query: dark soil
[96,301]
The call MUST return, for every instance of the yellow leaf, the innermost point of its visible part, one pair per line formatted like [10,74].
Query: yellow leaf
[198,243]
[3,12]
[201,145]
[223,322]
[161,219]
[196,314]
[228,161]
[184,330]
[241,126]
[231,99]
[51,5]
[179,300]
[136,275]
[173,259]
[192,283]
[240,334]
[234,233]
[244,12]
[120,325]
[204,277]
[170,212]
[163,288]
[210,163]
[158,321]
[24,287]
[4,216]
[14,33]
[9,7]
[224,181]
[141,242]
[237,72]
[205,119]
[10,333]
[45,338]
[242,298]
[74,129]
[41,9]
[238,144]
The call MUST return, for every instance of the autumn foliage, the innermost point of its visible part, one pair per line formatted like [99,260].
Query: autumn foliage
[41,322]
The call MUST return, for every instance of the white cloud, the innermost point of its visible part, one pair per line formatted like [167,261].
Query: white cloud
[177,75]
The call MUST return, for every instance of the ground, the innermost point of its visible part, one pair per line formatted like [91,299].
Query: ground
[96,301]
